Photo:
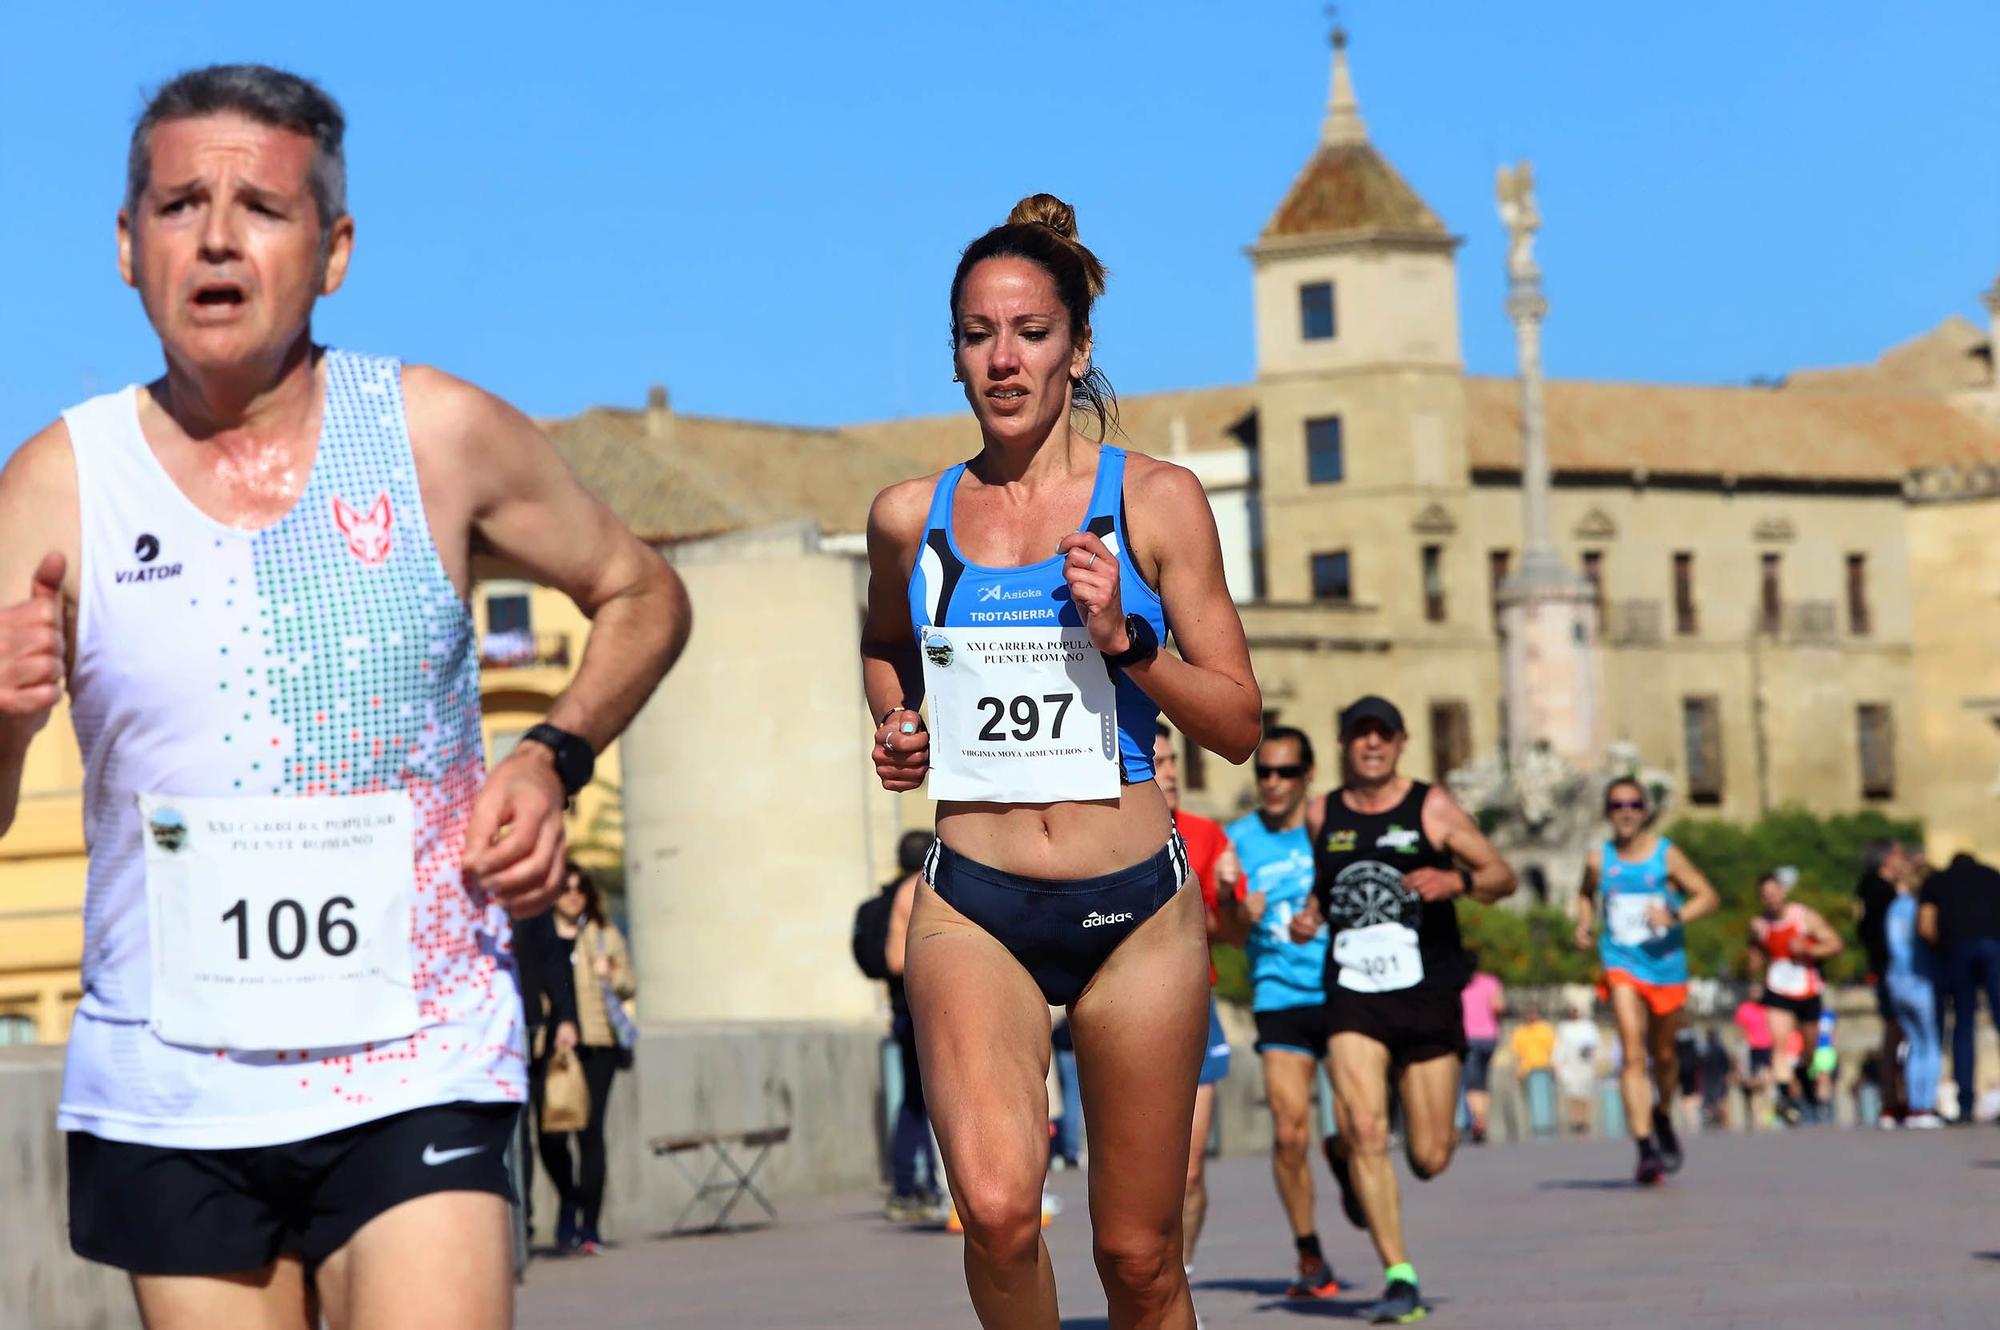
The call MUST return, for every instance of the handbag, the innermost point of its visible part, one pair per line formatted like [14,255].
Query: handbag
[624,1030]
[565,1094]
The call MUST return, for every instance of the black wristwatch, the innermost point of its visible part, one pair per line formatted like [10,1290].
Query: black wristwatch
[1144,644]
[574,759]
[1465,876]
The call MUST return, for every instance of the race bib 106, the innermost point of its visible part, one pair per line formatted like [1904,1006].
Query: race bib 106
[280,923]
[1021,715]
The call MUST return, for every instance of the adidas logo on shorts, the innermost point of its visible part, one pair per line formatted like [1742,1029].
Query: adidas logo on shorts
[1096,920]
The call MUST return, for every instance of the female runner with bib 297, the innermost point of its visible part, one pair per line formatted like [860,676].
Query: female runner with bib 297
[1026,593]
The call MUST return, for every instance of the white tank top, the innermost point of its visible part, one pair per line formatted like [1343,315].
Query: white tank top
[327,654]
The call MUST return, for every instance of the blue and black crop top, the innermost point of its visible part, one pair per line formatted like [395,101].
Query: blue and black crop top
[947,590]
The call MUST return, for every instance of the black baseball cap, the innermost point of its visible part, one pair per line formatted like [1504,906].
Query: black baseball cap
[1378,709]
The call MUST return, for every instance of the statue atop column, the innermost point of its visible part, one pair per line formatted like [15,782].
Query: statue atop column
[1515,188]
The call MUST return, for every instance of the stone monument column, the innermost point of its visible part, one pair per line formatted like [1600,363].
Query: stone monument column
[1990,298]
[1550,680]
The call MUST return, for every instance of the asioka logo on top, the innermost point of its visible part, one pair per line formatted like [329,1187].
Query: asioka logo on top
[994,591]
[368,537]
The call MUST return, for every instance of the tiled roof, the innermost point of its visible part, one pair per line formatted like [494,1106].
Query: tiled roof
[1951,357]
[1749,433]
[1350,189]
[709,476]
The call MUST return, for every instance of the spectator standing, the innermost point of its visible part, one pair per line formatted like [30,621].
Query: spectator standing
[602,979]
[1484,999]
[1687,1060]
[1533,1047]
[1958,913]
[1909,977]
[1755,1023]
[1717,1074]
[910,1144]
[548,1002]
[1576,1069]
[1883,863]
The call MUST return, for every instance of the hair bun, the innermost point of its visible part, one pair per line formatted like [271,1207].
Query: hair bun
[1047,209]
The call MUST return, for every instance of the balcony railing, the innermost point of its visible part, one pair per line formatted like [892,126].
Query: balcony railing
[1804,621]
[1633,623]
[524,650]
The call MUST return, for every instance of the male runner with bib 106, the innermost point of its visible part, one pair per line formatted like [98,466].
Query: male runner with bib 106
[299,1056]
[1391,857]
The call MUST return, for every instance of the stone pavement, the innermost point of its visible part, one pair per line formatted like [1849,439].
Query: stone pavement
[1823,1228]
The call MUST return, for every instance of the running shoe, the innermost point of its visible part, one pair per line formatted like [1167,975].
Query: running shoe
[1670,1144]
[1350,1201]
[1315,1280]
[908,1209]
[1400,1305]
[1651,1167]
[1923,1122]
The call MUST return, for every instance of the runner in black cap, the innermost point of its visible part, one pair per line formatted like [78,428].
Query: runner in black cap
[1391,855]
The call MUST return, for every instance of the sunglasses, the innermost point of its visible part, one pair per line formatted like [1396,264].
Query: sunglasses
[1290,771]
[1625,806]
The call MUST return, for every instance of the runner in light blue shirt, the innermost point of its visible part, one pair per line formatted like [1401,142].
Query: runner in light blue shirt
[1271,868]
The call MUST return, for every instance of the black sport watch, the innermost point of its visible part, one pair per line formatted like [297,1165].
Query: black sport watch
[1144,644]
[574,759]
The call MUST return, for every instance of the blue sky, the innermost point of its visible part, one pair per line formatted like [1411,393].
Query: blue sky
[760,206]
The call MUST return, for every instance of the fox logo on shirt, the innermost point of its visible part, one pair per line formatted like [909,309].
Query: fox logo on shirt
[367,537]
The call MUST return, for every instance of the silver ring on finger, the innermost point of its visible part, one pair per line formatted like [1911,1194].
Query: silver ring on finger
[1093,560]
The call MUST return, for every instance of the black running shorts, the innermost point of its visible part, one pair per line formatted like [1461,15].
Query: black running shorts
[1804,1010]
[1414,1024]
[156,1210]
[1293,1030]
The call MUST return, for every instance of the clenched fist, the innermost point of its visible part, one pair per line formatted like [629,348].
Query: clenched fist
[31,650]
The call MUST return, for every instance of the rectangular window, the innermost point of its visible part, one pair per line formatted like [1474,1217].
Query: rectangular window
[1451,737]
[1332,578]
[1433,583]
[1686,624]
[1324,462]
[1770,599]
[1316,311]
[1593,573]
[1701,733]
[1858,622]
[1876,729]
[507,613]
[510,634]
[1498,564]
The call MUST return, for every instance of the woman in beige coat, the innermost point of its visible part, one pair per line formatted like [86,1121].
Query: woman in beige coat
[598,962]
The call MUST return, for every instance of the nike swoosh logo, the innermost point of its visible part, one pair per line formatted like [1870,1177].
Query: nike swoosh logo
[434,1156]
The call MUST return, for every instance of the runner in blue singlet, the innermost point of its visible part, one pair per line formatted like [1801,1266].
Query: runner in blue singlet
[1273,855]
[1024,595]
[1649,891]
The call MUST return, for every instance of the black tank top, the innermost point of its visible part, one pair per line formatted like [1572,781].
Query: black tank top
[1358,867]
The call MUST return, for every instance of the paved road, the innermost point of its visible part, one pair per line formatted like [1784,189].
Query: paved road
[1824,1228]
